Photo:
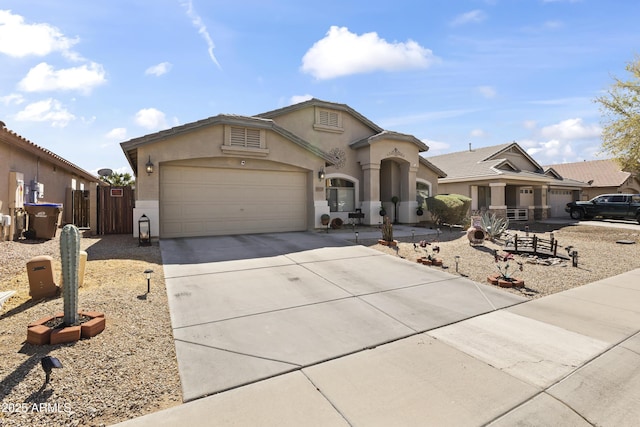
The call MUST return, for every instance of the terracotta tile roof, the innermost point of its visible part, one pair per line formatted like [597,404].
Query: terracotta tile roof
[603,173]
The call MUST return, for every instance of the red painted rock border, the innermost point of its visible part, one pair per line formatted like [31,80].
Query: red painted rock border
[39,334]
[495,279]
[437,262]
[386,243]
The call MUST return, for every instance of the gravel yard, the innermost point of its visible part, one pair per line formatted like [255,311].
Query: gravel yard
[130,369]
[126,371]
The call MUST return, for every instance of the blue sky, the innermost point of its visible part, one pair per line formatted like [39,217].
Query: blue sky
[78,78]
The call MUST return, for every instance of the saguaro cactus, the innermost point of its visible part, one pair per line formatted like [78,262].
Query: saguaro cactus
[70,256]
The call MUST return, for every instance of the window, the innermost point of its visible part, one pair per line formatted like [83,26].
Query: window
[423,191]
[244,141]
[484,197]
[340,195]
[328,120]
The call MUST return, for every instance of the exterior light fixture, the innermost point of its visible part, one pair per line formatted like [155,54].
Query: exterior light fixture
[147,274]
[48,363]
[144,231]
[149,167]
[356,237]
[457,257]
[413,235]
[321,174]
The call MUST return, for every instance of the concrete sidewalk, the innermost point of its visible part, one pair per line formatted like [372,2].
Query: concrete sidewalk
[344,335]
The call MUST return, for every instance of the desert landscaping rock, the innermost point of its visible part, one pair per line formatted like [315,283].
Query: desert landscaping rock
[130,368]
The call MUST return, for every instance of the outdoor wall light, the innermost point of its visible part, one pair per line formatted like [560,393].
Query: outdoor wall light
[147,274]
[48,363]
[144,231]
[321,174]
[149,167]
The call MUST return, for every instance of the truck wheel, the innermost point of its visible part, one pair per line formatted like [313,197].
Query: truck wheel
[577,214]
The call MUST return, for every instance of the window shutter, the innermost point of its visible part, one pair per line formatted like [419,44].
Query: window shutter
[237,137]
[253,138]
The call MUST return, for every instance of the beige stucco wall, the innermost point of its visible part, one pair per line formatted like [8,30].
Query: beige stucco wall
[56,179]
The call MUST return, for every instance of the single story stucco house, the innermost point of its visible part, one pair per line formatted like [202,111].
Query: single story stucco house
[506,180]
[32,174]
[603,177]
[276,171]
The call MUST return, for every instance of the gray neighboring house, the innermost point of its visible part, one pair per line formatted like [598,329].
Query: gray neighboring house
[603,177]
[506,180]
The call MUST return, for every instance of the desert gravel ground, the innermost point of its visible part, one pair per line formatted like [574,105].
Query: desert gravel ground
[126,371]
[130,369]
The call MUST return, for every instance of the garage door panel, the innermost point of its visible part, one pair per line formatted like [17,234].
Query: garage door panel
[197,201]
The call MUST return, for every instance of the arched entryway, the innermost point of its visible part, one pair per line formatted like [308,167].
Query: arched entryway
[398,180]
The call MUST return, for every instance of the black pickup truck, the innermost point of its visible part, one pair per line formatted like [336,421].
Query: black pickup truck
[617,206]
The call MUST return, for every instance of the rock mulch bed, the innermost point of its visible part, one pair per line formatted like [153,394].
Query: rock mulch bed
[599,256]
[128,370]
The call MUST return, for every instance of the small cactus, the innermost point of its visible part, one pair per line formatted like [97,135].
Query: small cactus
[70,256]
[387,230]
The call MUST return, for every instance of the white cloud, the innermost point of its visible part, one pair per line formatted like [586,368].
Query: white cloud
[471,17]
[13,99]
[43,77]
[342,53]
[571,129]
[530,124]
[296,99]
[151,118]
[547,150]
[479,133]
[436,147]
[196,20]
[49,110]
[159,69]
[117,134]
[487,91]
[18,39]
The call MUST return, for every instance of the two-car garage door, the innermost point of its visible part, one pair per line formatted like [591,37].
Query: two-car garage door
[202,201]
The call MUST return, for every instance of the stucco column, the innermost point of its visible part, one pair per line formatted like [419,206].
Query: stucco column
[371,193]
[408,204]
[474,198]
[498,204]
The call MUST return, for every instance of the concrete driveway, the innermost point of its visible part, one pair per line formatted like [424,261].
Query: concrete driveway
[292,336]
[247,308]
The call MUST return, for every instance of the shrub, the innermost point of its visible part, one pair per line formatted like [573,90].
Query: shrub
[448,208]
[493,225]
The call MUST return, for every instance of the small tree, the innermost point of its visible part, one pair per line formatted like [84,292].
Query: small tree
[119,179]
[620,109]
[448,208]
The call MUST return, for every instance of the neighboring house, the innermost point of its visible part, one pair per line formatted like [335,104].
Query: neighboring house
[604,177]
[32,174]
[276,171]
[506,180]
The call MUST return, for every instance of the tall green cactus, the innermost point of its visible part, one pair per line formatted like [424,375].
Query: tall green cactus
[70,257]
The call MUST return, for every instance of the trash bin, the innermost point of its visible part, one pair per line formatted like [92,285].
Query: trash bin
[41,277]
[43,219]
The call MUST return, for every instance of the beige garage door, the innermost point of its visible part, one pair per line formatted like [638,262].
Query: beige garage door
[199,201]
[558,200]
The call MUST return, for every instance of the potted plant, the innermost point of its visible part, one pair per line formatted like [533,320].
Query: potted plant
[431,258]
[419,211]
[324,219]
[383,211]
[504,279]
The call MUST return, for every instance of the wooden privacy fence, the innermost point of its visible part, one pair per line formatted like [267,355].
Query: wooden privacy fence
[115,210]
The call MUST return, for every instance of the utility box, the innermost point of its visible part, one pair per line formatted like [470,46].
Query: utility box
[82,262]
[41,277]
[43,219]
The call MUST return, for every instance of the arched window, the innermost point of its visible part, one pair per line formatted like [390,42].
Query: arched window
[423,191]
[341,195]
